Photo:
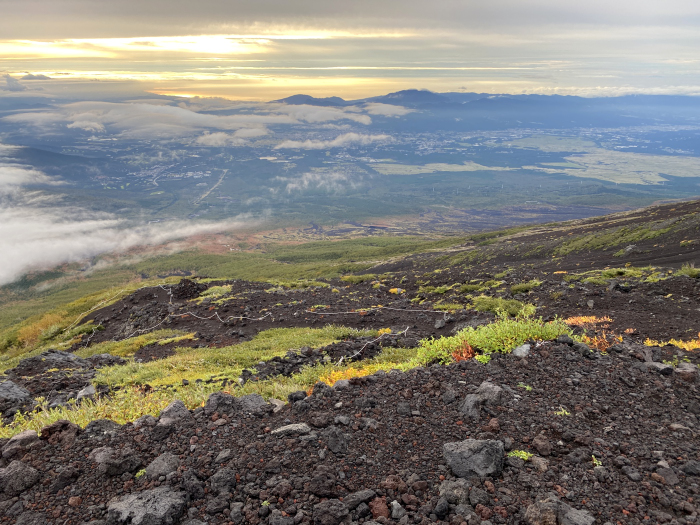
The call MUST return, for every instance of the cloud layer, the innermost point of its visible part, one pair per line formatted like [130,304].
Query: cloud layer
[38,232]
[341,141]
[158,120]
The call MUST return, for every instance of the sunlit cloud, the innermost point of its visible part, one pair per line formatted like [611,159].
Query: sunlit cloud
[341,141]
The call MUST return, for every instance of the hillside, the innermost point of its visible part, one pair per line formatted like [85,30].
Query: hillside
[541,374]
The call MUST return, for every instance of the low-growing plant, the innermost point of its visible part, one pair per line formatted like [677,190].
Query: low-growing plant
[448,307]
[596,462]
[512,307]
[685,345]
[526,387]
[562,412]
[484,359]
[689,270]
[357,279]
[522,454]
[502,335]
[468,288]
[525,287]
[140,473]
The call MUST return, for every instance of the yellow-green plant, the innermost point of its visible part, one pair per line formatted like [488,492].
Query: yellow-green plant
[522,454]
[502,335]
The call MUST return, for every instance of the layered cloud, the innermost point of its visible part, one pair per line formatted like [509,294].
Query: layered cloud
[387,110]
[34,238]
[38,231]
[321,180]
[159,120]
[341,141]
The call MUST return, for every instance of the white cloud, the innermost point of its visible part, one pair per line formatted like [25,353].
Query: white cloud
[12,84]
[387,110]
[33,238]
[341,141]
[36,232]
[13,176]
[220,140]
[331,182]
[149,121]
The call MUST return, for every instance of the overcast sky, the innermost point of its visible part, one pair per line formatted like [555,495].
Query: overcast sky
[266,49]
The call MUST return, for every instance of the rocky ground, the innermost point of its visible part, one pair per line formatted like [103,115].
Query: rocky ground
[613,437]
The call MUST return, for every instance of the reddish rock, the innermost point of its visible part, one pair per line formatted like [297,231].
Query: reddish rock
[379,508]
[483,511]
[542,445]
[493,426]
[75,501]
[62,432]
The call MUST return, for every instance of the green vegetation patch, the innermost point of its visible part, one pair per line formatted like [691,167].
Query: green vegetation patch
[128,347]
[496,305]
[228,361]
[525,287]
[502,335]
[613,237]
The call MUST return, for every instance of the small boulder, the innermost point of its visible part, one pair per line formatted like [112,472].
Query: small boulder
[336,440]
[691,468]
[223,481]
[542,445]
[88,392]
[254,404]
[221,403]
[521,351]
[62,432]
[474,457]
[363,496]
[13,398]
[455,492]
[552,511]
[162,465]
[159,506]
[330,512]
[176,412]
[17,478]
[100,428]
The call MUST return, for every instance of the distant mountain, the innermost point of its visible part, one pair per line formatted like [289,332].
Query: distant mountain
[308,100]
[411,98]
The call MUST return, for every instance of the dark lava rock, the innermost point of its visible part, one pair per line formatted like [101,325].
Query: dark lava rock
[552,511]
[162,465]
[187,289]
[13,398]
[159,506]
[473,457]
[331,512]
[49,360]
[101,427]
[17,478]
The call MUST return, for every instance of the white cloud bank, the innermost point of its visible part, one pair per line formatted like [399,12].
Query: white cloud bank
[34,238]
[387,110]
[330,182]
[161,121]
[37,233]
[341,141]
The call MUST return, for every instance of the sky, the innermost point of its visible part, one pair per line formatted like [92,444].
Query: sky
[260,50]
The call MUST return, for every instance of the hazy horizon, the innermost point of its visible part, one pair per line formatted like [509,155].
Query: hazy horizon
[267,50]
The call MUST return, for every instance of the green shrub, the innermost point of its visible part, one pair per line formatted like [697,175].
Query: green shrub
[502,335]
[525,287]
[689,271]
[512,307]
[468,288]
[357,279]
